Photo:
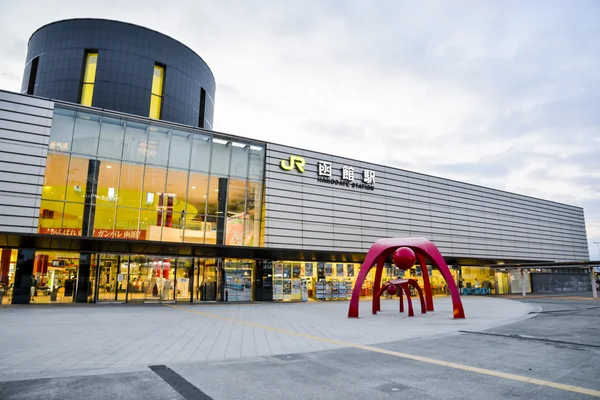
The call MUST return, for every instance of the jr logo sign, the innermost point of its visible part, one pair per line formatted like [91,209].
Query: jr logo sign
[294,162]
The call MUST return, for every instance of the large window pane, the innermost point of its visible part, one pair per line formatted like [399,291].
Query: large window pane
[254,206]
[213,196]
[257,163]
[201,146]
[130,185]
[112,132]
[55,177]
[234,230]
[72,218]
[251,232]
[179,153]
[77,180]
[158,146]
[61,134]
[87,131]
[135,144]
[177,181]
[108,182]
[239,160]
[126,221]
[51,213]
[154,184]
[210,234]
[196,208]
[149,224]
[236,197]
[104,221]
[221,153]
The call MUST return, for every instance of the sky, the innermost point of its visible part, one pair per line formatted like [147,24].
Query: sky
[504,94]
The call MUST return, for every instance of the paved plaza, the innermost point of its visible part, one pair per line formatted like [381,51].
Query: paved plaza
[303,350]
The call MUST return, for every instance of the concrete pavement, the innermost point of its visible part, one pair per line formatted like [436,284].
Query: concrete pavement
[302,351]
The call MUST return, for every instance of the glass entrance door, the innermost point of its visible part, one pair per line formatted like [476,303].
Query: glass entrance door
[502,279]
[159,279]
[183,279]
[112,278]
[206,280]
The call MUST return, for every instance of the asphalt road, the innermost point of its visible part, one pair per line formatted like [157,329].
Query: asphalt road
[553,355]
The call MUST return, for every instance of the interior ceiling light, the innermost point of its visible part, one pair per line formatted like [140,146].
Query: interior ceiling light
[220,141]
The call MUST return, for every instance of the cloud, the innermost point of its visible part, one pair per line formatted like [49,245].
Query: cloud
[501,94]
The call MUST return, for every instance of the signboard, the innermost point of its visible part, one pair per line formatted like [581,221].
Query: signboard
[101,233]
[347,176]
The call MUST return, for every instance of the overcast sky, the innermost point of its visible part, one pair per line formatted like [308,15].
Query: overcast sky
[504,94]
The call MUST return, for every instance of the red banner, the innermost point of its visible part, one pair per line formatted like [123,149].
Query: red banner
[101,233]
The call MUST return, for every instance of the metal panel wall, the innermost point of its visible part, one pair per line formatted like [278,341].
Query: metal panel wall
[24,131]
[463,220]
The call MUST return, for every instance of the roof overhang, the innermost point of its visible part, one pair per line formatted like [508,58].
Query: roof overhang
[153,248]
[554,265]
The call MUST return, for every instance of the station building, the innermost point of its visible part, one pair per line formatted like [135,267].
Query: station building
[115,188]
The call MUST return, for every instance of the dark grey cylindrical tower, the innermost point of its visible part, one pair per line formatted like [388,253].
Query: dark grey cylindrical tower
[122,67]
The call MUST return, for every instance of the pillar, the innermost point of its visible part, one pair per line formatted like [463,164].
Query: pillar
[523,285]
[23,276]
[222,210]
[91,190]
[593,277]
[5,265]
[83,278]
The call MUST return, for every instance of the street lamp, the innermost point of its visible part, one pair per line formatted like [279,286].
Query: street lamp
[598,243]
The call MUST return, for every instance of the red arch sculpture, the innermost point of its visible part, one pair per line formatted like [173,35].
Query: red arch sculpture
[403,285]
[425,250]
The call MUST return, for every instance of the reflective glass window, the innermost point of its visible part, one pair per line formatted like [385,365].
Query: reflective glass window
[179,152]
[236,197]
[254,203]
[77,179]
[221,153]
[257,163]
[201,146]
[177,181]
[239,160]
[135,144]
[50,220]
[149,224]
[126,220]
[154,185]
[87,131]
[158,78]
[195,219]
[104,220]
[72,219]
[158,146]
[55,177]
[130,185]
[112,133]
[108,182]
[212,197]
[89,77]
[197,192]
[61,133]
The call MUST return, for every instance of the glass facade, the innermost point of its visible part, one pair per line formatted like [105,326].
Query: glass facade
[117,177]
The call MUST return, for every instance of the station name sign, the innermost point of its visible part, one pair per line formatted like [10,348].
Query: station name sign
[325,173]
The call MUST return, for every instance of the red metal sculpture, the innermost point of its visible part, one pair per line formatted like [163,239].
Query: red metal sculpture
[399,286]
[404,257]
